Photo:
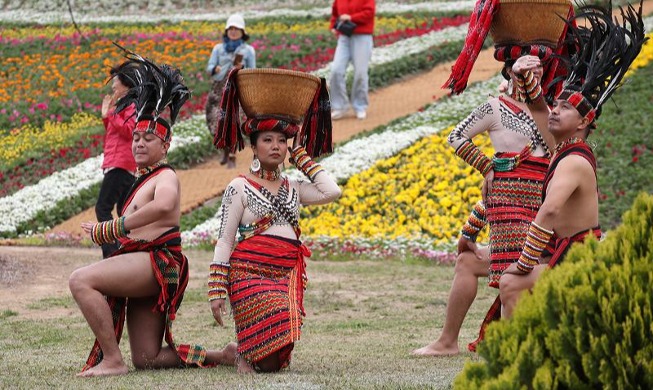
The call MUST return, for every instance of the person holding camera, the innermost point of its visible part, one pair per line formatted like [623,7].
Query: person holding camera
[231,53]
[353,22]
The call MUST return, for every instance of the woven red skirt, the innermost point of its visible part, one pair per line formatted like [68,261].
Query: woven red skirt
[512,204]
[267,280]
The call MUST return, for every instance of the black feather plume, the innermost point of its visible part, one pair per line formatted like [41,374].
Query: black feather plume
[606,48]
[155,88]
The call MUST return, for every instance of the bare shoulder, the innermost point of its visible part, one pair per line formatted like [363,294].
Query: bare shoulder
[168,174]
[576,163]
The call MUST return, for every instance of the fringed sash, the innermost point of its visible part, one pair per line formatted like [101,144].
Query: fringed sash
[170,268]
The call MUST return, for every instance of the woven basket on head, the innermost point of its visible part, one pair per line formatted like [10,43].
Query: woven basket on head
[522,22]
[278,93]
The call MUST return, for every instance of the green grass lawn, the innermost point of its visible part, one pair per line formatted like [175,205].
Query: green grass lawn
[364,319]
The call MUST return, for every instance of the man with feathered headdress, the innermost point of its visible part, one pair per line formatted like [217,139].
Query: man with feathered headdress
[570,194]
[516,124]
[149,271]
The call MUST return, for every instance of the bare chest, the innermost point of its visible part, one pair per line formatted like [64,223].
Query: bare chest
[143,195]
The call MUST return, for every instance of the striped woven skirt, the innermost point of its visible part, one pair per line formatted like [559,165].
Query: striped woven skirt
[511,205]
[266,291]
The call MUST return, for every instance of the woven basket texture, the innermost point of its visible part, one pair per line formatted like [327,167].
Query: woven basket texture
[278,93]
[524,22]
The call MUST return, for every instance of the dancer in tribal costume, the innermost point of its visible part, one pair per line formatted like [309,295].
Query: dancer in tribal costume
[144,281]
[570,194]
[264,276]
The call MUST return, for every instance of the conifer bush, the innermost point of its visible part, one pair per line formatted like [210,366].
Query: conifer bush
[588,323]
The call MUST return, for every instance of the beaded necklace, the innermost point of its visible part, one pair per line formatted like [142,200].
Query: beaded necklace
[143,171]
[266,175]
[568,142]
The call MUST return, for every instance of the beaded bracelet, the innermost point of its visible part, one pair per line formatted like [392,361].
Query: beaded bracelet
[305,163]
[536,241]
[218,280]
[528,87]
[106,232]
[475,222]
[473,156]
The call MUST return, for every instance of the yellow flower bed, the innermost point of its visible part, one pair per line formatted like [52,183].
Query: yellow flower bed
[53,135]
[424,191]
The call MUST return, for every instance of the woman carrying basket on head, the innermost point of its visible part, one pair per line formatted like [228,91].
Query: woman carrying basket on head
[264,275]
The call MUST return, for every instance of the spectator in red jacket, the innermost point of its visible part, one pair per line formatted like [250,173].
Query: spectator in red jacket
[354,46]
[118,165]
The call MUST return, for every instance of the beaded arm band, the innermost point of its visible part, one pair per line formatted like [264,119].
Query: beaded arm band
[475,222]
[536,241]
[305,163]
[218,281]
[473,156]
[106,232]
[528,87]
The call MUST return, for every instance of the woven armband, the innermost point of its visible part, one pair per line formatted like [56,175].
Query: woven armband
[528,87]
[473,156]
[520,88]
[475,222]
[532,87]
[106,232]
[305,163]
[536,240]
[218,281]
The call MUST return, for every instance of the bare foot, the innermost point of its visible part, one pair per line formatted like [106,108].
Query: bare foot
[244,367]
[105,369]
[437,349]
[225,357]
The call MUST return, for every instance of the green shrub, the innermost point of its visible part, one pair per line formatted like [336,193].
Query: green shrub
[588,323]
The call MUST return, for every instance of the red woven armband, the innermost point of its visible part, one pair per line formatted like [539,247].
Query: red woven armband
[218,280]
[473,156]
[536,241]
[475,222]
[305,163]
[106,232]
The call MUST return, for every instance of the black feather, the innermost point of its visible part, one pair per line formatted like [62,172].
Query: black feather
[155,88]
[605,50]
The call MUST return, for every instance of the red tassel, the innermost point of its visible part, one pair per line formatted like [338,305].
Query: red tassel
[316,133]
[479,26]
[228,134]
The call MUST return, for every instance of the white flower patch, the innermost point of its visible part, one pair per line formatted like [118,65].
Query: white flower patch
[360,154]
[43,12]
[406,47]
[24,204]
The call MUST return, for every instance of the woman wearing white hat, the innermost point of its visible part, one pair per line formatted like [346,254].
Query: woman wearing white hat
[233,52]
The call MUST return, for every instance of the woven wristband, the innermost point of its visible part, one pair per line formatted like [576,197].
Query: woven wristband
[473,156]
[108,231]
[475,222]
[520,88]
[529,86]
[305,163]
[536,241]
[218,280]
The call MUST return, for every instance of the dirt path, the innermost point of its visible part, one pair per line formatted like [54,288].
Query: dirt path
[208,180]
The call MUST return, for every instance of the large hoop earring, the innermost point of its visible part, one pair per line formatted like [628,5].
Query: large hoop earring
[256,165]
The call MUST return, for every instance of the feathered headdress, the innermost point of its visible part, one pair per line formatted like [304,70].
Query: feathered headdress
[156,87]
[605,51]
